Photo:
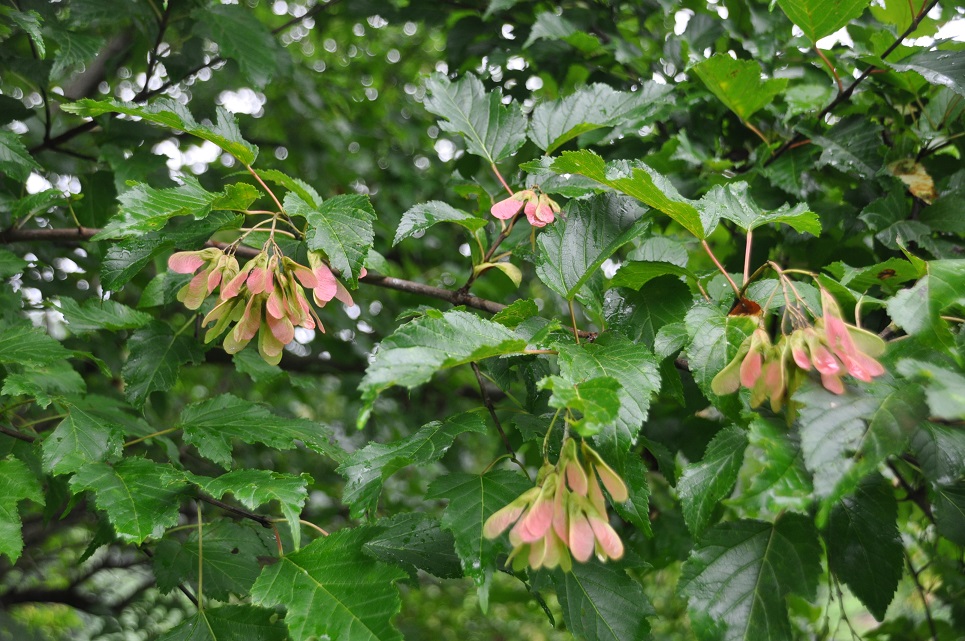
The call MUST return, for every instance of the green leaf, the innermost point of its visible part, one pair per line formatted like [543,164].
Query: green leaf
[703,485]
[254,488]
[949,508]
[601,603]
[941,452]
[637,273]
[141,497]
[590,232]
[241,37]
[741,572]
[851,146]
[735,204]
[845,437]
[642,315]
[230,553]
[74,52]
[944,388]
[156,355]
[597,400]
[415,540]
[80,439]
[472,499]
[636,509]
[15,160]
[10,264]
[636,180]
[96,314]
[516,312]
[144,209]
[170,113]
[552,124]
[22,344]
[125,259]
[819,18]
[773,476]
[864,547]
[341,227]
[434,342]
[332,588]
[17,483]
[229,623]
[491,129]
[30,22]
[738,84]
[938,67]
[366,469]
[714,339]
[301,188]
[423,216]
[634,367]
[45,383]
[211,426]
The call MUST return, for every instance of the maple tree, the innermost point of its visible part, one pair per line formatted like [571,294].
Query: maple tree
[482,319]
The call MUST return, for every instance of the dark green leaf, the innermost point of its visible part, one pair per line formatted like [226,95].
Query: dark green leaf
[741,572]
[636,180]
[635,274]
[851,146]
[949,506]
[472,499]
[938,67]
[773,476]
[635,510]
[173,115]
[332,588]
[241,37]
[415,540]
[17,483]
[141,497]
[491,129]
[229,623]
[516,312]
[97,314]
[423,216]
[45,382]
[601,603]
[714,339]
[341,227]
[819,18]
[211,426]
[420,348]
[738,84]
[366,469]
[703,485]
[15,160]
[80,439]
[941,452]
[864,547]
[10,264]
[574,247]
[156,355]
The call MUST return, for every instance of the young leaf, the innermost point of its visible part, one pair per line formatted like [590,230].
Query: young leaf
[555,123]
[472,499]
[820,18]
[230,553]
[420,348]
[80,439]
[601,603]
[211,426]
[332,588]
[366,469]
[141,497]
[229,623]
[636,180]
[169,113]
[703,485]
[634,367]
[738,84]
[574,247]
[341,227]
[423,216]
[415,540]
[864,547]
[17,483]
[95,314]
[741,572]
[596,399]
[491,129]
[254,488]
[157,353]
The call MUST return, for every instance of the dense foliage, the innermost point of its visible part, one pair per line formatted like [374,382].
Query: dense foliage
[482,319]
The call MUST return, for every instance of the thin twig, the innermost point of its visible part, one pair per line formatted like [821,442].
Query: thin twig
[488,402]
[237,511]
[924,597]
[155,54]
[20,436]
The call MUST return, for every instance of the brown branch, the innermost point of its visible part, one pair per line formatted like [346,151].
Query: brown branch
[845,94]
[237,511]
[21,436]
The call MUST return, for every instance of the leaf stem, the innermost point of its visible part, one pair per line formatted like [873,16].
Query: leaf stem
[502,180]
[151,435]
[834,72]
[303,522]
[546,439]
[266,188]
[720,267]
[757,131]
[200,560]
[747,258]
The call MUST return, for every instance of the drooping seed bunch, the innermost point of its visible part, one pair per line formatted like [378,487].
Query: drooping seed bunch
[564,515]
[266,297]
[831,346]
